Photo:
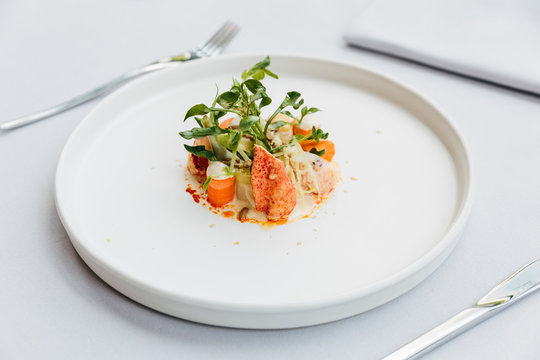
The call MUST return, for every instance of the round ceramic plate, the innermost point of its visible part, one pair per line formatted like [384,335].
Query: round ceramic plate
[392,219]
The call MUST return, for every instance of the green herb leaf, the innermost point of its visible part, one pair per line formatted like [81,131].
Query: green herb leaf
[199,133]
[265,101]
[288,113]
[235,140]
[316,134]
[271,74]
[278,124]
[234,147]
[201,151]
[258,70]
[199,109]
[264,63]
[254,85]
[228,98]
[218,110]
[207,182]
[199,121]
[318,153]
[292,99]
[246,123]
[258,75]
[246,99]
[305,111]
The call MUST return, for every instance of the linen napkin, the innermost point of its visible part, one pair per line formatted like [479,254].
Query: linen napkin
[496,41]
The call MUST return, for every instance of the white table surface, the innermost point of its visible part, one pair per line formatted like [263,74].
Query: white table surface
[54,307]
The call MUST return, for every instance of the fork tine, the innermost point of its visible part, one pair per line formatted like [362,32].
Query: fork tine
[215,35]
[224,42]
[213,46]
[220,39]
[219,46]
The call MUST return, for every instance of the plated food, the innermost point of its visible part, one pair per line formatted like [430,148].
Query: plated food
[263,169]
[119,196]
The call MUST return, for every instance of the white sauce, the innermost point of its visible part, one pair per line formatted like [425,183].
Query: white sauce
[304,206]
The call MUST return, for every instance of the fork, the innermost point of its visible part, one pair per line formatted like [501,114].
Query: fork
[213,46]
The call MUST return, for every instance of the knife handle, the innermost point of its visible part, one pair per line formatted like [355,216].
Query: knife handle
[441,334]
[515,287]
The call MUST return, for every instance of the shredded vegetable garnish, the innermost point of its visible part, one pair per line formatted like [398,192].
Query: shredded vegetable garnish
[270,159]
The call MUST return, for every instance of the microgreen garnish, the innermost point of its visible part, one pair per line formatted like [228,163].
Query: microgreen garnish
[305,111]
[259,70]
[199,121]
[199,109]
[199,133]
[237,135]
[247,122]
[201,151]
[315,134]
[207,182]
[316,152]
[228,98]
[292,99]
[277,124]
[245,99]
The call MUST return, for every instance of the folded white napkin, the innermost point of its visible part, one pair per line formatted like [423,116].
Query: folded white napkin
[497,41]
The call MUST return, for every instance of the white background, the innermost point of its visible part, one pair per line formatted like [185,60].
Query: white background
[54,307]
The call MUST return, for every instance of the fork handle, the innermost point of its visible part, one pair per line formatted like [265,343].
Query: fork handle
[87,96]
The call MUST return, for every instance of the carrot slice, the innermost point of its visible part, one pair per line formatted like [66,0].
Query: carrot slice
[226,123]
[221,192]
[326,145]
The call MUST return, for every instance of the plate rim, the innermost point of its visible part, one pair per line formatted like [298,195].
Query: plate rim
[445,243]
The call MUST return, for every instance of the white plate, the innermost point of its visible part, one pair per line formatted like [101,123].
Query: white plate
[392,220]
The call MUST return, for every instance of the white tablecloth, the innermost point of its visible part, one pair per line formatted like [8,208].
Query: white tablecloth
[54,307]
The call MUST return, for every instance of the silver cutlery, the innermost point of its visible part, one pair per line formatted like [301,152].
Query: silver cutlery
[515,287]
[213,46]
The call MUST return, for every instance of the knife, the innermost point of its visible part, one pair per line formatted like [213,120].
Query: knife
[515,287]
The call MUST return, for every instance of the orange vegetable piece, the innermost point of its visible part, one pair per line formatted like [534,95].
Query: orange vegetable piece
[274,193]
[221,192]
[299,130]
[226,123]
[326,145]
